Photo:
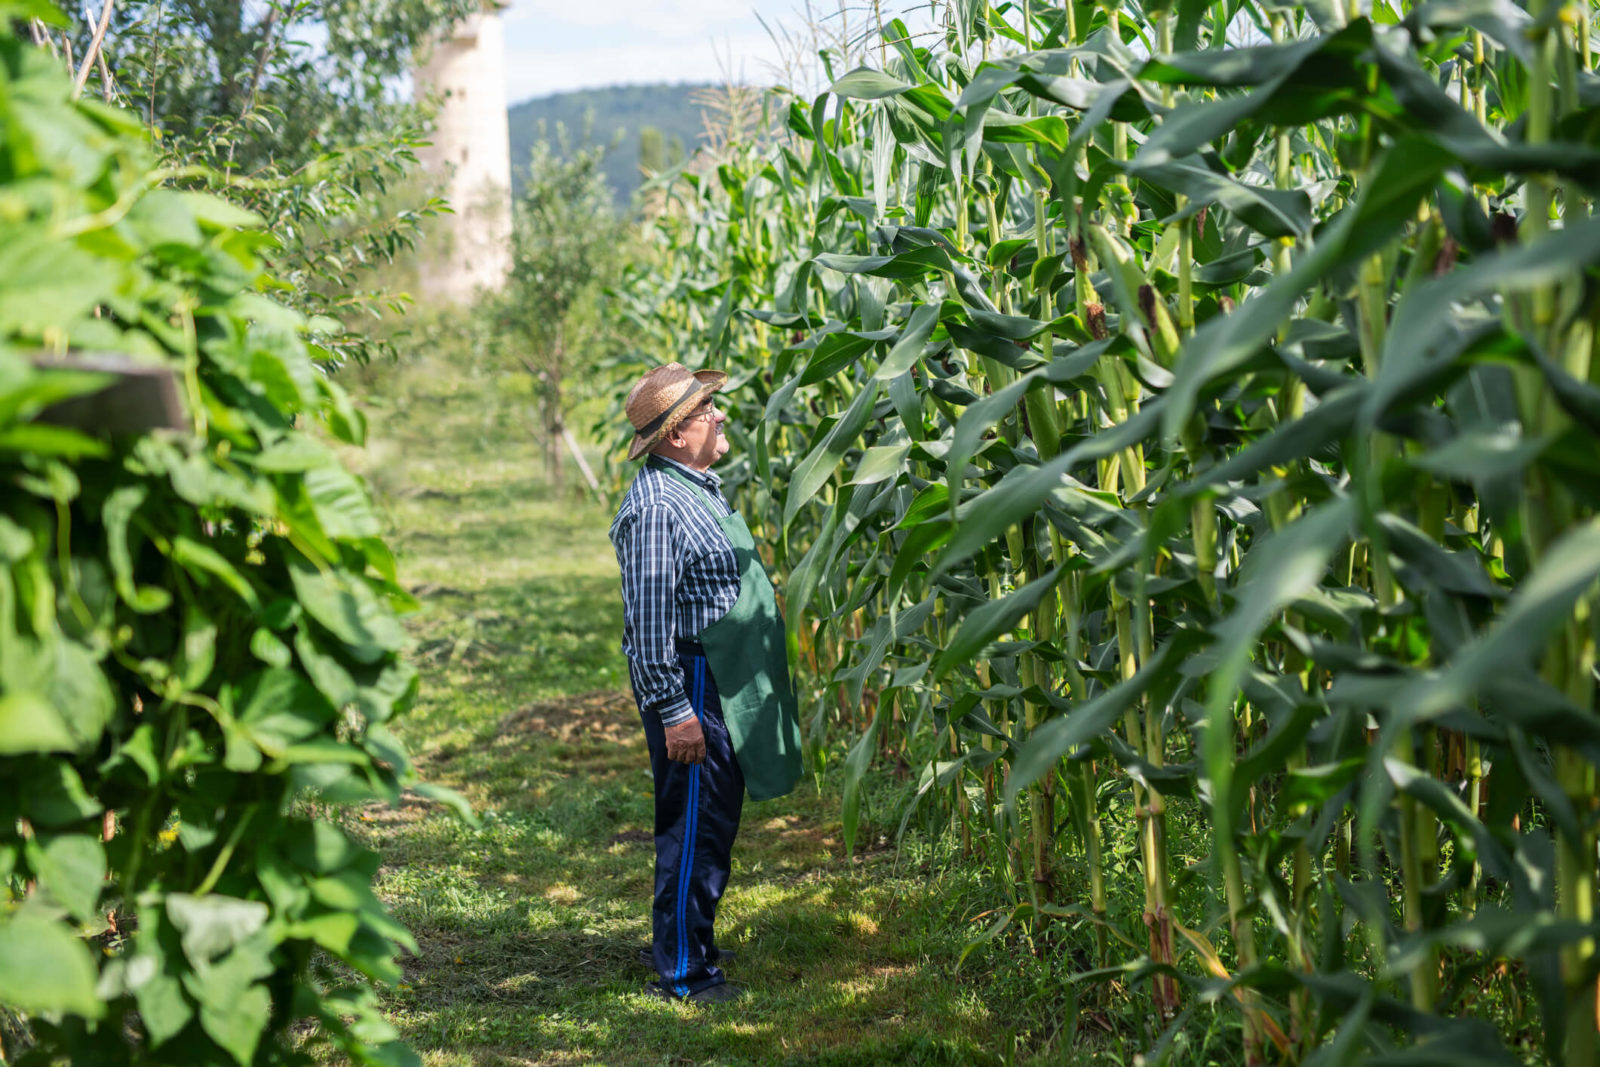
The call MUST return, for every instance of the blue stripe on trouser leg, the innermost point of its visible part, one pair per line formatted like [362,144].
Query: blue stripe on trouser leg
[697,817]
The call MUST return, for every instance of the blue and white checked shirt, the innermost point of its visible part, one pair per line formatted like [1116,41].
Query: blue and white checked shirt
[679,575]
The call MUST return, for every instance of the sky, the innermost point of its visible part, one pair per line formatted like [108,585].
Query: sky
[554,46]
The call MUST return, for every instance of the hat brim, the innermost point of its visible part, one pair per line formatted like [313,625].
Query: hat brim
[710,382]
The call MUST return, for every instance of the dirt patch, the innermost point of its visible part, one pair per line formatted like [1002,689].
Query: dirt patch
[433,589]
[632,837]
[603,715]
[431,494]
[465,651]
[412,809]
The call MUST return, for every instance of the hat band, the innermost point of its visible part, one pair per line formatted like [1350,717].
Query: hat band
[649,429]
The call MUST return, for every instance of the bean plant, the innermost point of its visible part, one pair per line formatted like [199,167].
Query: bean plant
[199,648]
[1174,426]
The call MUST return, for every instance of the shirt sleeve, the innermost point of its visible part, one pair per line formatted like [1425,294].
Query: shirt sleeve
[651,571]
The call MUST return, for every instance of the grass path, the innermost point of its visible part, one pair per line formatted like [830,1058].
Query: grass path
[528,927]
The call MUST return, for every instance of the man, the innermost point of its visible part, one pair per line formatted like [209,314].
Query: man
[708,661]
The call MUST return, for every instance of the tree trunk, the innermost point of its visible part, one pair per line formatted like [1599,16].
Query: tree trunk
[554,423]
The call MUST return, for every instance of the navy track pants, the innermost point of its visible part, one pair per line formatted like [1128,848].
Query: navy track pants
[697,816]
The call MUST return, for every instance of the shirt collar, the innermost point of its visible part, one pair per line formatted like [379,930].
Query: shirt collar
[705,478]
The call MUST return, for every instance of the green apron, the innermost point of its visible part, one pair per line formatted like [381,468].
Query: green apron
[748,654]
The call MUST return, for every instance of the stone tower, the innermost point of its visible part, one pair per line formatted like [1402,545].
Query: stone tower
[471,153]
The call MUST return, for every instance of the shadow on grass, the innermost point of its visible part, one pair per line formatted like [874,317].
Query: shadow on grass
[817,991]
[529,927]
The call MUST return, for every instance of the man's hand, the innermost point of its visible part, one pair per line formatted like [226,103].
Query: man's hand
[686,742]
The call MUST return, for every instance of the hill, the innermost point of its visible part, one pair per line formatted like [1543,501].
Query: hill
[600,116]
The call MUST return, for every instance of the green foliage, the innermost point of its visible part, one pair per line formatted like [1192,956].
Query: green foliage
[198,643]
[289,109]
[568,247]
[1149,424]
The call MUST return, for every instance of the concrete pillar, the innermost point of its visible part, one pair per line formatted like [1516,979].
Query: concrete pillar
[470,250]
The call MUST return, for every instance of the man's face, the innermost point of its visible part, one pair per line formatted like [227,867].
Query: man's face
[702,433]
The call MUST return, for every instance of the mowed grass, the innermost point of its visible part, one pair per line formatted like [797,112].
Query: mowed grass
[528,926]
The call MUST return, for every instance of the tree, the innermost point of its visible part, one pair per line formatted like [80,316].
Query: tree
[567,248]
[291,109]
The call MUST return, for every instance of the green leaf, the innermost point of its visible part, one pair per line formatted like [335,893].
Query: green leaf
[322,847]
[978,419]
[386,691]
[348,609]
[332,930]
[992,619]
[1406,173]
[913,264]
[836,352]
[1270,212]
[43,10]
[239,1026]
[1473,457]
[117,512]
[279,707]
[45,968]
[1541,602]
[855,769]
[81,694]
[913,341]
[218,214]
[39,389]
[1024,490]
[72,869]
[1048,130]
[1415,344]
[1060,736]
[270,649]
[1455,572]
[212,925]
[44,440]
[864,83]
[880,462]
[339,500]
[47,283]
[53,795]
[813,472]
[205,562]
[1285,565]
[163,217]
[163,1008]
[295,453]
[29,723]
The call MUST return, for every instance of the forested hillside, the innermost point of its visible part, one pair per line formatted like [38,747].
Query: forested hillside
[600,116]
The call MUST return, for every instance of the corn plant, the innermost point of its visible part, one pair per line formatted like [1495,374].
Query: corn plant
[1178,421]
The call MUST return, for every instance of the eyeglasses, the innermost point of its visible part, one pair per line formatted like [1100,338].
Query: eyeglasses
[705,415]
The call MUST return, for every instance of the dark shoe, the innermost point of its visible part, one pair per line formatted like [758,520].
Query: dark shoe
[722,957]
[720,993]
[717,994]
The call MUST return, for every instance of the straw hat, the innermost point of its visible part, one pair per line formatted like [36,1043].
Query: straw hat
[663,398]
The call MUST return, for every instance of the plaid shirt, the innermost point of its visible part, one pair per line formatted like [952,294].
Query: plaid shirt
[679,576]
